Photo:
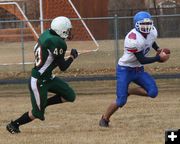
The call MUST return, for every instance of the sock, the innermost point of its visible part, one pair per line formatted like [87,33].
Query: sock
[22,120]
[54,100]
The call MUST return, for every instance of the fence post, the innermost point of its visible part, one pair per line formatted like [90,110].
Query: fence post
[116,37]
[22,45]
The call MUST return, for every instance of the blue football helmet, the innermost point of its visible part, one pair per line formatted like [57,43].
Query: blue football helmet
[143,22]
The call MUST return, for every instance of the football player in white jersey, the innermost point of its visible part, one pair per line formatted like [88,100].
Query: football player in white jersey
[130,68]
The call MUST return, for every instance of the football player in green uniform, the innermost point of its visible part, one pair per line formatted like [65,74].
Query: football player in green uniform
[49,53]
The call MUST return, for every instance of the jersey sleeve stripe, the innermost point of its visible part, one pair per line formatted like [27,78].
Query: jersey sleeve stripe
[133,50]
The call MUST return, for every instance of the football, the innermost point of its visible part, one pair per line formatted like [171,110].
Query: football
[165,50]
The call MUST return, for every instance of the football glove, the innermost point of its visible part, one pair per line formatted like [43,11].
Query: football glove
[74,53]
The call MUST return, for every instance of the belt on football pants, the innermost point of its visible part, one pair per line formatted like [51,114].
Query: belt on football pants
[132,68]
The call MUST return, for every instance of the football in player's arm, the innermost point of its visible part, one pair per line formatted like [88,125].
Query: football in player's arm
[130,67]
[49,53]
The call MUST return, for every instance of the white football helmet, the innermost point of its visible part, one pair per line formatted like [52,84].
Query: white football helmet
[62,26]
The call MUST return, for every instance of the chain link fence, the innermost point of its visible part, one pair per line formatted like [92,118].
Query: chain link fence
[17,41]
[17,44]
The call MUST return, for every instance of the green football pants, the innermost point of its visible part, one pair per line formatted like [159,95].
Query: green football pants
[39,93]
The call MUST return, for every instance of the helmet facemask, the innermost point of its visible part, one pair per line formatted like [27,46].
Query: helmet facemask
[67,34]
[144,26]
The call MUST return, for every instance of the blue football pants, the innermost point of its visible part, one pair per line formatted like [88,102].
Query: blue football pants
[126,75]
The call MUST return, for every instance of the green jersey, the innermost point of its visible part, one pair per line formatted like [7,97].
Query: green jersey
[49,48]
[49,53]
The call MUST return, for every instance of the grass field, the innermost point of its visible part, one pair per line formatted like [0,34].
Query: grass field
[141,121]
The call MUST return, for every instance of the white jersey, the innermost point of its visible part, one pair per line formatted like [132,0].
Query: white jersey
[135,42]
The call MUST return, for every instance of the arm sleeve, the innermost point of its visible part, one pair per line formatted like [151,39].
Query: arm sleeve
[155,46]
[146,60]
[62,63]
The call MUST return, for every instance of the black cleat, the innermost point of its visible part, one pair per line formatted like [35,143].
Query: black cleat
[103,122]
[12,128]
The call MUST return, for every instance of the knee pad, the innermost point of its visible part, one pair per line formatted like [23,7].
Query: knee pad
[153,93]
[70,97]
